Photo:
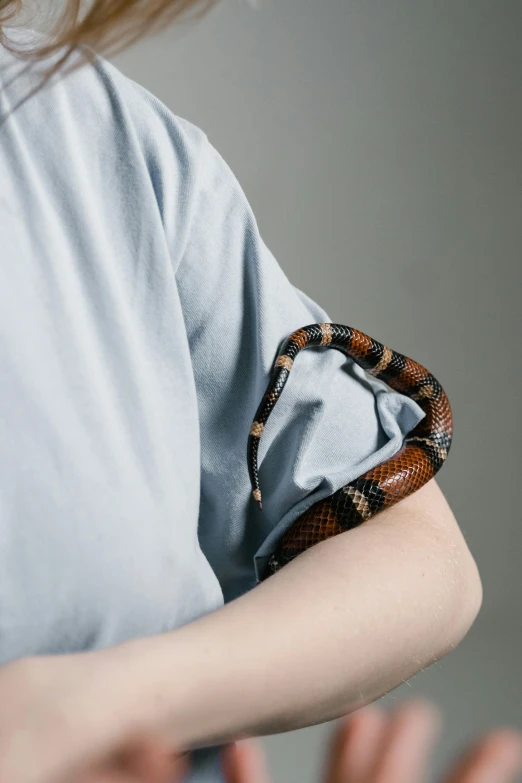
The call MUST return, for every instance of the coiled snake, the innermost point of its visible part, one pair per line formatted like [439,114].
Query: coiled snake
[422,454]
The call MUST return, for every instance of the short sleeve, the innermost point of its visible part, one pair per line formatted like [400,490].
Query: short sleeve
[332,422]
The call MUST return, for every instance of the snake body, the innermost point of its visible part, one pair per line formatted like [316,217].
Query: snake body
[422,454]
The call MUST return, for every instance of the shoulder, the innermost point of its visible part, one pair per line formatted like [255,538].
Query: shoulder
[98,100]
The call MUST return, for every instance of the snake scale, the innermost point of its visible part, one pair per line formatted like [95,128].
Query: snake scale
[422,454]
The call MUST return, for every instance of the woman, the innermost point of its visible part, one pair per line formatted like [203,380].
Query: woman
[140,312]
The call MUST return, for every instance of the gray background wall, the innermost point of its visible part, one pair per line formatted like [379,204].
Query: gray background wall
[380,145]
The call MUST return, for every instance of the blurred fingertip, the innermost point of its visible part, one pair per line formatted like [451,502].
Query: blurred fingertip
[370,712]
[421,706]
[505,736]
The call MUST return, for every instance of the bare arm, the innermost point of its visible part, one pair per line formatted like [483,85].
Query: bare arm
[345,622]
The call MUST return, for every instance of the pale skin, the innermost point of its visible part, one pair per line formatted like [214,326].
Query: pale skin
[345,622]
[369,746]
[375,746]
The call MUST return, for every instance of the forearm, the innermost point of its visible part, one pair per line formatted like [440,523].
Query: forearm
[345,622]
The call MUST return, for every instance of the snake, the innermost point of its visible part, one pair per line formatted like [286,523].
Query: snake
[422,454]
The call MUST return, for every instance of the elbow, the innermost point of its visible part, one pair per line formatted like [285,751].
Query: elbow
[457,586]
[468,598]
[457,564]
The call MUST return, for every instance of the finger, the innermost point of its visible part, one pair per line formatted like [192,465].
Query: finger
[154,762]
[406,744]
[140,765]
[245,762]
[494,758]
[104,776]
[150,760]
[353,746]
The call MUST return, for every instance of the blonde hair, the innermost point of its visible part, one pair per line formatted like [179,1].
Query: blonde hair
[108,27]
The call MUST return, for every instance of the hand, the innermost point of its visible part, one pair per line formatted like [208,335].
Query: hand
[55,727]
[370,746]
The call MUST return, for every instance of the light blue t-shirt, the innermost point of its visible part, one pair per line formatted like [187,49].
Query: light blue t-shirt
[140,314]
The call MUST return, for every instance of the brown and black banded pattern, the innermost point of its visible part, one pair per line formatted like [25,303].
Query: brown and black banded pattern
[423,452]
